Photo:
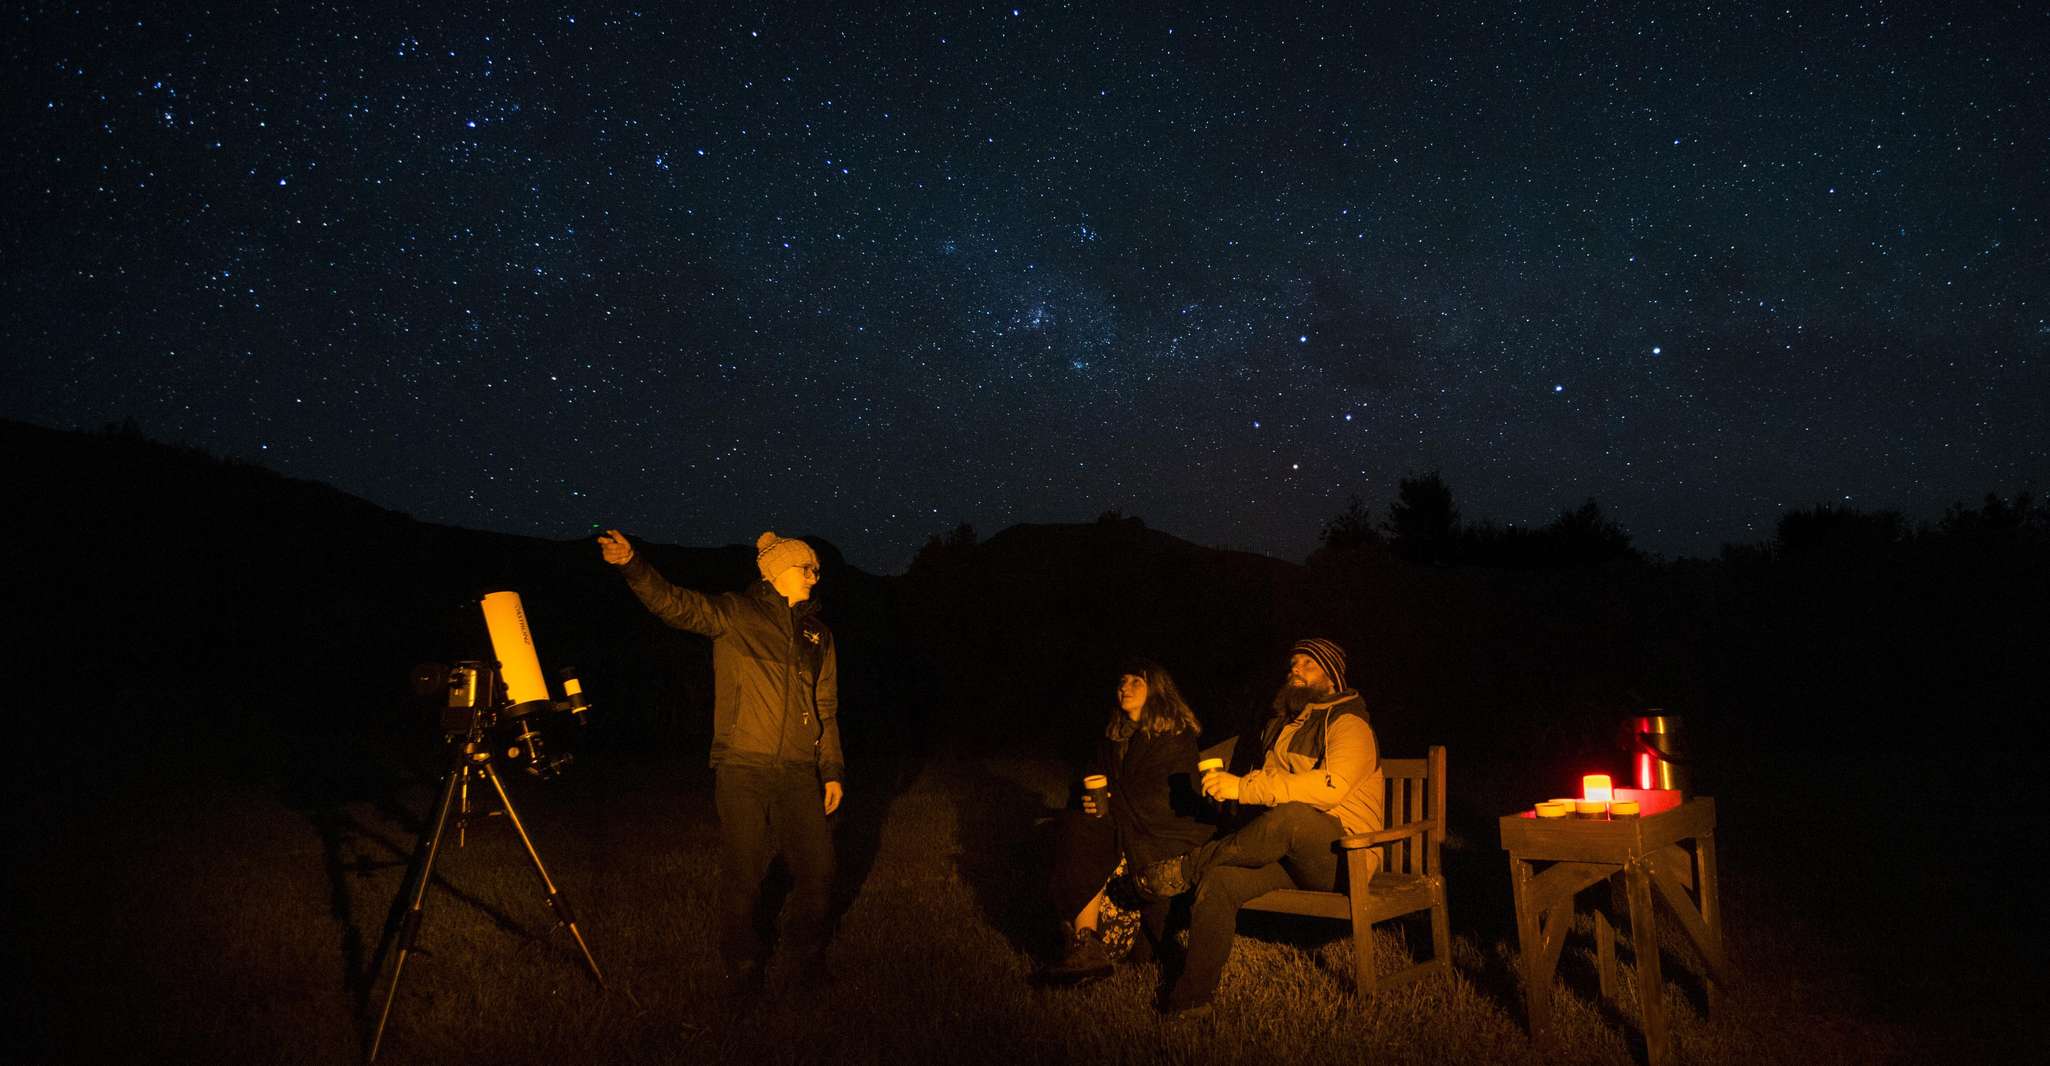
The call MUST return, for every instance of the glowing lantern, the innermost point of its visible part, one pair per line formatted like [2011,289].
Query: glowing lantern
[1596,787]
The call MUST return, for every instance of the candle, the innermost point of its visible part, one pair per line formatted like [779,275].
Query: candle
[1596,787]
[1554,809]
[1623,809]
[1590,809]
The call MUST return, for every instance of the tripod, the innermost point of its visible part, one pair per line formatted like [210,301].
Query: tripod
[471,756]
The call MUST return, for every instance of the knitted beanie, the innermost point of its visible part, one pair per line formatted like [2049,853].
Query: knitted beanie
[1327,655]
[774,554]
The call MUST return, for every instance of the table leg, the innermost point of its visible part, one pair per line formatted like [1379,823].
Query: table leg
[1711,907]
[1537,987]
[1605,954]
[1651,1002]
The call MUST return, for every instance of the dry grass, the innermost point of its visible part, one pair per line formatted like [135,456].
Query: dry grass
[221,925]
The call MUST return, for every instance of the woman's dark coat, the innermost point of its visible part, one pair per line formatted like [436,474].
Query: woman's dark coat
[1154,802]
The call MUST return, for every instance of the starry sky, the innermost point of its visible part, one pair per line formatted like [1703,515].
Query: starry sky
[698,271]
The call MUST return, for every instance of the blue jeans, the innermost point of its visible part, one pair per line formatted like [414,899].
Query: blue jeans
[763,812]
[1287,847]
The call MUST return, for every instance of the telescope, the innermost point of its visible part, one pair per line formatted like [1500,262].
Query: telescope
[508,690]
[480,697]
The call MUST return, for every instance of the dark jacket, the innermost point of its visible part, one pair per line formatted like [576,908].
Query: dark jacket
[777,675]
[1154,801]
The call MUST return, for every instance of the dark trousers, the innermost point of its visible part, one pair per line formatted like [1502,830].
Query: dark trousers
[1287,847]
[763,812]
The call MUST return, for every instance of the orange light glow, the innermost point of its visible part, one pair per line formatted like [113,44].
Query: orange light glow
[1596,787]
[1646,772]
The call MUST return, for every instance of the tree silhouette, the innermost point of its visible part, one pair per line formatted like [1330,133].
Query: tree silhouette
[1583,536]
[942,552]
[1422,523]
[1350,528]
[1995,519]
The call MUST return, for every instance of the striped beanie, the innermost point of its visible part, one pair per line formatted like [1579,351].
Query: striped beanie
[774,554]
[1327,655]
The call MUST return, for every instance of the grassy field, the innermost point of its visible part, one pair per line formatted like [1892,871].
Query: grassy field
[219,923]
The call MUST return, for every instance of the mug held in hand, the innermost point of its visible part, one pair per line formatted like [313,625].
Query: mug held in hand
[1096,787]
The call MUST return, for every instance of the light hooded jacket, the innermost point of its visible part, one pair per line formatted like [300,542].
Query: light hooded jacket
[1326,757]
[777,675]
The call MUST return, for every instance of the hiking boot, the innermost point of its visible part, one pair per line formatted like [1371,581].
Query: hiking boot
[1085,959]
[1165,879]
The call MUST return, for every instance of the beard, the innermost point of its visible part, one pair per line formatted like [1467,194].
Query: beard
[1291,698]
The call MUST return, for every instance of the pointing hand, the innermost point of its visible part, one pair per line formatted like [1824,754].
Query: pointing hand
[617,551]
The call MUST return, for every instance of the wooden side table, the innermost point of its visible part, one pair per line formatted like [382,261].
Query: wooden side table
[1671,853]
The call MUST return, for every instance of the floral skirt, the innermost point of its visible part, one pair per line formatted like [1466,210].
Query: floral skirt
[1117,920]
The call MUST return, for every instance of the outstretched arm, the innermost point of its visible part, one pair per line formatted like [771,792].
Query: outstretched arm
[679,607]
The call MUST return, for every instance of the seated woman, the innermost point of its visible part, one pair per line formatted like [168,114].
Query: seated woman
[1149,754]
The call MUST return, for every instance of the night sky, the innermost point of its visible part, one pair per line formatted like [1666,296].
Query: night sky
[697,273]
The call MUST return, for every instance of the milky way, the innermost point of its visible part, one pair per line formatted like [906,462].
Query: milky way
[699,273]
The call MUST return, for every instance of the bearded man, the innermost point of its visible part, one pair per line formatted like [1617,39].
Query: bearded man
[1320,773]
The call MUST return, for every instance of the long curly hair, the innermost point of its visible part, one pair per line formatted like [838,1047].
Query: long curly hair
[1164,712]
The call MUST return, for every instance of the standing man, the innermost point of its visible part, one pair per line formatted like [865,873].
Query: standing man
[775,743]
[1321,774]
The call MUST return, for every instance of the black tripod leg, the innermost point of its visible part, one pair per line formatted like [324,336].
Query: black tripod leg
[409,923]
[556,902]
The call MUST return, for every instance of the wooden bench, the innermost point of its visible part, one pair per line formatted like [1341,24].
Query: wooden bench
[1410,879]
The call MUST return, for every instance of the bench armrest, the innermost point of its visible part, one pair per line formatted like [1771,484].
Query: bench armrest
[1357,841]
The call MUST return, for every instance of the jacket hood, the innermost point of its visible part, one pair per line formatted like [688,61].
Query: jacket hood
[1337,699]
